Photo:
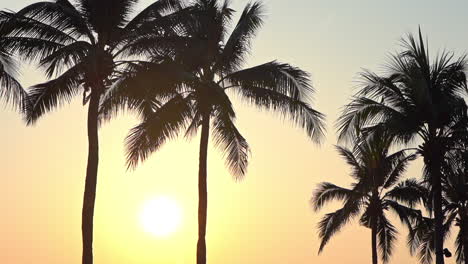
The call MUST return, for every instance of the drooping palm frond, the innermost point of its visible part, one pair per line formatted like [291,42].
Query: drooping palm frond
[29,49]
[421,240]
[47,96]
[279,77]
[11,91]
[61,15]
[386,234]
[164,124]
[410,192]
[14,24]
[327,192]
[461,242]
[366,114]
[230,140]
[301,113]
[332,223]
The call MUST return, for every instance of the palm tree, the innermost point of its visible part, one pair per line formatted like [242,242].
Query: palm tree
[455,208]
[418,99]
[375,191]
[455,193]
[11,90]
[81,45]
[192,83]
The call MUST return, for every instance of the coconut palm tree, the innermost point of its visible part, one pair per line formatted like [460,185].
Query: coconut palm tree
[455,193]
[11,90]
[81,45]
[455,208]
[375,191]
[418,98]
[192,84]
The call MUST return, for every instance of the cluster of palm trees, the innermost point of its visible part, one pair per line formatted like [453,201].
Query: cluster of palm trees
[177,65]
[419,105]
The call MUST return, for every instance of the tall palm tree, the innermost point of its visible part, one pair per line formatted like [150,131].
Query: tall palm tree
[81,45]
[417,99]
[455,193]
[375,191]
[455,208]
[11,90]
[192,83]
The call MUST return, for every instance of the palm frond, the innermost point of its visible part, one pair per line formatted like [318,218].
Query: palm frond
[164,124]
[60,14]
[46,96]
[328,192]
[398,162]
[29,49]
[333,222]
[15,25]
[11,90]
[410,192]
[386,234]
[65,57]
[279,77]
[230,140]
[238,44]
[303,115]
[461,242]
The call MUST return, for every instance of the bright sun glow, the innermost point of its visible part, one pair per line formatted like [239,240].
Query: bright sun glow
[161,216]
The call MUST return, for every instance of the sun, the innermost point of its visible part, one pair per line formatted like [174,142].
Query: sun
[161,216]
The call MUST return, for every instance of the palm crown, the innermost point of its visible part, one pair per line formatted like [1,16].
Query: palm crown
[78,44]
[194,84]
[375,191]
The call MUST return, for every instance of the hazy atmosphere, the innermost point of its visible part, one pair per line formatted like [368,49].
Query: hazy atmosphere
[264,218]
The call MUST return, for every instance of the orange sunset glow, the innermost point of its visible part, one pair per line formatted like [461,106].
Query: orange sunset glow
[233,132]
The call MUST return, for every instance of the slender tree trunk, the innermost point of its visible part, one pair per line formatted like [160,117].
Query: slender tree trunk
[91,179]
[374,241]
[464,234]
[202,190]
[437,204]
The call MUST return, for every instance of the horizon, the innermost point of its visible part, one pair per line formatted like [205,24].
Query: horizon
[266,217]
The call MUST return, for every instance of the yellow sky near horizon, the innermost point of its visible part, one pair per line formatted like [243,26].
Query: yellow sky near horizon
[266,217]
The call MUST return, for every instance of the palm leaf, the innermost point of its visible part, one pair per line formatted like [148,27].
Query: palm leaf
[164,124]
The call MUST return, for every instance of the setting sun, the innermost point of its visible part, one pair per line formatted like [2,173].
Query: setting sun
[161,216]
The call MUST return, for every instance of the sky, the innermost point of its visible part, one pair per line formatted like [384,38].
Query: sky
[266,218]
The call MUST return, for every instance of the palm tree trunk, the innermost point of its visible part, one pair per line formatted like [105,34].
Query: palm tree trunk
[202,190]
[438,213]
[464,234]
[374,241]
[91,179]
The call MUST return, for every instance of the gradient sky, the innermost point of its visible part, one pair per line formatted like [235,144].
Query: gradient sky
[264,219]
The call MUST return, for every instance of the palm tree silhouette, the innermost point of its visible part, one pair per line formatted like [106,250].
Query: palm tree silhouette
[374,192]
[11,90]
[455,208]
[455,193]
[81,45]
[186,87]
[418,99]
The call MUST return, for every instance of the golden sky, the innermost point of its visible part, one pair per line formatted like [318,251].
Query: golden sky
[264,219]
